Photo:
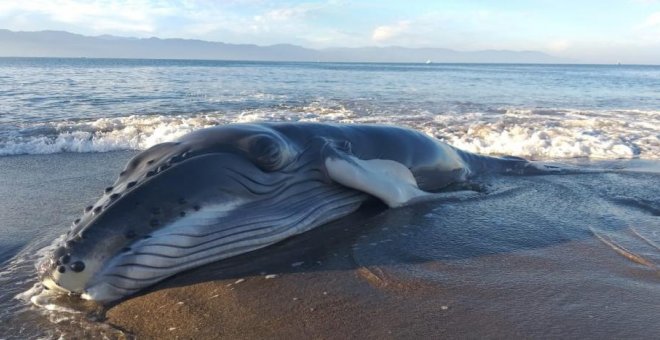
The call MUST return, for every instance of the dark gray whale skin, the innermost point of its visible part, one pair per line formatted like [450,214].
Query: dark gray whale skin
[227,190]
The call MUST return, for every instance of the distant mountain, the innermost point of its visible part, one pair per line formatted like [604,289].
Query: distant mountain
[69,45]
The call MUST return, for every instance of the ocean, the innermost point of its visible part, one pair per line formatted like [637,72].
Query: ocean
[67,126]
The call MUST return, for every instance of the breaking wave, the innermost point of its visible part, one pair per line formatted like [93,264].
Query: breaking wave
[530,133]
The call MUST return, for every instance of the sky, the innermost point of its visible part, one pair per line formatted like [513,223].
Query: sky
[604,31]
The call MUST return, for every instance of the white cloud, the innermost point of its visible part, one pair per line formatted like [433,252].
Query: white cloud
[388,32]
[295,20]
[238,21]
[115,15]
[280,18]
[286,14]
[464,30]
[252,21]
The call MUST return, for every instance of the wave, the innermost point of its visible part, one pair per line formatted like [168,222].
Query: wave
[530,133]
[555,134]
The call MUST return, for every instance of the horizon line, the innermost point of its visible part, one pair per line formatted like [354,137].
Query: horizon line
[331,62]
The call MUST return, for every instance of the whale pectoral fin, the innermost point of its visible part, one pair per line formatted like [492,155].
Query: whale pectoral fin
[390,181]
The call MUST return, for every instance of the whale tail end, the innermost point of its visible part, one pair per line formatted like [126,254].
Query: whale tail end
[509,165]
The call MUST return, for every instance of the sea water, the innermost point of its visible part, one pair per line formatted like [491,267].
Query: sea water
[67,126]
[534,111]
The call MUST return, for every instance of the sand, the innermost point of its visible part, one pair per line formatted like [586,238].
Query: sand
[321,302]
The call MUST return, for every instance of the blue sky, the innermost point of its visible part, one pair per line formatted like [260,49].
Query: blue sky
[585,30]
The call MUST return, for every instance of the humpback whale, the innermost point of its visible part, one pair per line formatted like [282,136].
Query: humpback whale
[227,190]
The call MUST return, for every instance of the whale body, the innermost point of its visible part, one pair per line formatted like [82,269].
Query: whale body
[228,190]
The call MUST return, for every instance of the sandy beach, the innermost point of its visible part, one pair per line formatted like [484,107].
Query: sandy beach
[370,302]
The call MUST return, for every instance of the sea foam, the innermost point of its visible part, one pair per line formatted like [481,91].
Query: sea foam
[534,134]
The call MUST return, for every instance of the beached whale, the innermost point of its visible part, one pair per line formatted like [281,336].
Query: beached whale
[228,190]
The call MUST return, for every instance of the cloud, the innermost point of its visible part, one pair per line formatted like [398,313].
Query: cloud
[312,22]
[282,19]
[388,32]
[458,29]
[286,14]
[238,21]
[116,15]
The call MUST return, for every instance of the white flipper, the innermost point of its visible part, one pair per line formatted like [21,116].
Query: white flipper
[390,181]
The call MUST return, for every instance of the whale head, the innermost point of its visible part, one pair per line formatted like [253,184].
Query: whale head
[213,194]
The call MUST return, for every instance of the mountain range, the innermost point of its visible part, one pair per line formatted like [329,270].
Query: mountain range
[69,45]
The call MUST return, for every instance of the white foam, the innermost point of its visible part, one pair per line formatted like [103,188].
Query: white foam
[534,134]
[553,134]
[47,300]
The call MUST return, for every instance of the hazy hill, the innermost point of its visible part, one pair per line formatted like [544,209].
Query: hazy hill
[64,44]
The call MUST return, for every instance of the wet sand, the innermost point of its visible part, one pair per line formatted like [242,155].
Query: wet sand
[368,302]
